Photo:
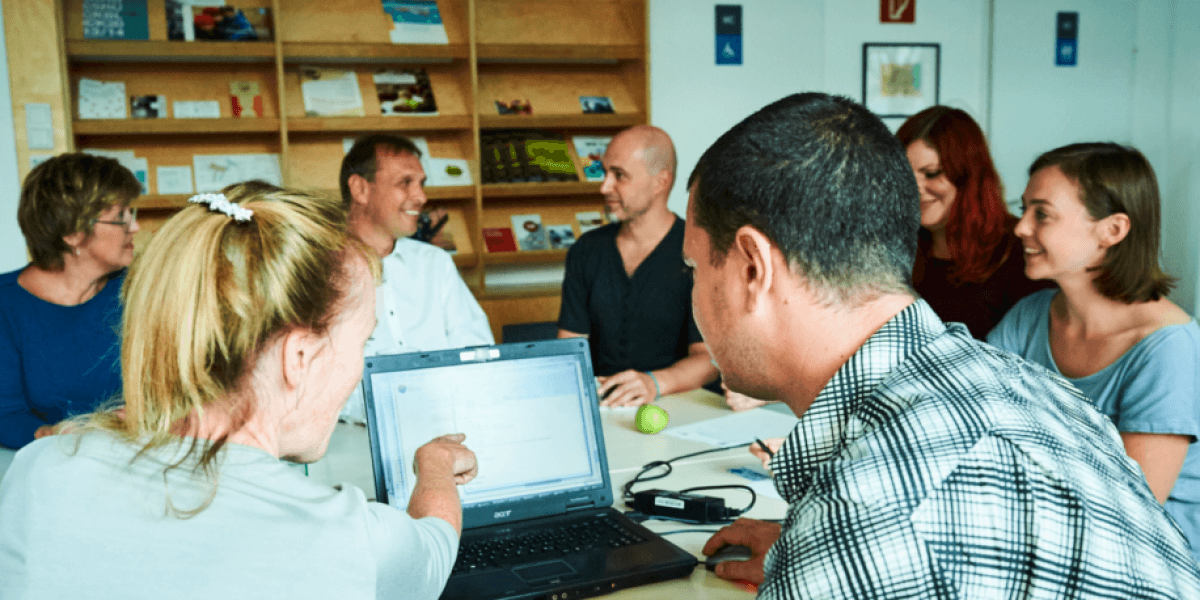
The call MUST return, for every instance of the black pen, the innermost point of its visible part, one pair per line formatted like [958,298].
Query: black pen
[764,448]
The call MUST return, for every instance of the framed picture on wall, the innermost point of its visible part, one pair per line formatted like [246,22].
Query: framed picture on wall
[900,80]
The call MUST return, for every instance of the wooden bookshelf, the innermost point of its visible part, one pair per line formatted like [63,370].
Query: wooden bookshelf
[549,52]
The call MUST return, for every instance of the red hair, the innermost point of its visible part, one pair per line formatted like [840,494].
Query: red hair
[978,218]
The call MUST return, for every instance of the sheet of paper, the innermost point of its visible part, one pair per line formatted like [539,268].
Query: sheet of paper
[197,109]
[141,169]
[138,166]
[447,171]
[330,93]
[215,171]
[758,480]
[174,180]
[736,428]
[102,99]
[39,126]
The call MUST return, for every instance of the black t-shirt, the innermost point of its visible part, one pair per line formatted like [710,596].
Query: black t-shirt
[643,322]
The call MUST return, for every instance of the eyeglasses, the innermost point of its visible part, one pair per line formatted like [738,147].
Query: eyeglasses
[128,216]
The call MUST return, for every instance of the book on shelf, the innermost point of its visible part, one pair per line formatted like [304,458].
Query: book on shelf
[245,99]
[213,20]
[405,92]
[330,93]
[115,20]
[148,107]
[499,239]
[596,105]
[525,156]
[589,220]
[529,232]
[415,22]
[560,236]
[590,149]
[102,99]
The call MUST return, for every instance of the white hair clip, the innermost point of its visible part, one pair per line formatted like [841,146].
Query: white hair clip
[220,203]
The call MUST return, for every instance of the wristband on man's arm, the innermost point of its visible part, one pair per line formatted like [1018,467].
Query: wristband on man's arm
[657,390]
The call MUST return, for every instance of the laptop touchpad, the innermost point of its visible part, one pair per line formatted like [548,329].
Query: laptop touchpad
[544,571]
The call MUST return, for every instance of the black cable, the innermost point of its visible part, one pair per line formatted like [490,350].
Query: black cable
[732,512]
[627,491]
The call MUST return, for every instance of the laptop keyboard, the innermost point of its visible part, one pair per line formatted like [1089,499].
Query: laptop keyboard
[601,532]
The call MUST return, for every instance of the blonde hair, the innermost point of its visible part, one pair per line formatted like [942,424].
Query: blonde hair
[208,294]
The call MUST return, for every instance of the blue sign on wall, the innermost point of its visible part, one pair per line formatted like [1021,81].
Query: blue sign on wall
[729,34]
[1066,46]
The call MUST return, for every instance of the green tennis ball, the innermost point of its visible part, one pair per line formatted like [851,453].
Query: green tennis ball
[650,418]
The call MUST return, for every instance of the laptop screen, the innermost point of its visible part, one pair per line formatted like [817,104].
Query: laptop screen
[529,419]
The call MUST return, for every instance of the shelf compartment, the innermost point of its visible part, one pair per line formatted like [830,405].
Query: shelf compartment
[527,190]
[451,90]
[165,126]
[398,123]
[554,92]
[183,82]
[168,51]
[315,158]
[550,23]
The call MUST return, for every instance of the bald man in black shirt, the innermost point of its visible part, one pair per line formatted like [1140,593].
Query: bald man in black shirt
[626,287]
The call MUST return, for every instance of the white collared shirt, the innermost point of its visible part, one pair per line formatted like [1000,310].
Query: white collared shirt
[422,304]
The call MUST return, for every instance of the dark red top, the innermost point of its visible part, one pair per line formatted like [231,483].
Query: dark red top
[979,306]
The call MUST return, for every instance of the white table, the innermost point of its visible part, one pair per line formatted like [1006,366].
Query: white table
[348,460]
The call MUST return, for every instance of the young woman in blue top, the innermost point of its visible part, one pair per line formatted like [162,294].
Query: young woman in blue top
[1091,224]
[59,351]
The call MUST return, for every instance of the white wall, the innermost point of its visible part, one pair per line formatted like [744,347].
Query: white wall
[1179,170]
[1037,106]
[12,243]
[696,100]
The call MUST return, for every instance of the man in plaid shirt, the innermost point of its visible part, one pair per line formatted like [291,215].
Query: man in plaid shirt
[925,463]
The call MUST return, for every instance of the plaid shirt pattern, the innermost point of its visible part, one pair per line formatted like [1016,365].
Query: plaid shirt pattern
[935,466]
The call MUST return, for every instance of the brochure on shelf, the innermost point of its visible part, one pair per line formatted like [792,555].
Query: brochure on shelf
[589,220]
[196,109]
[245,99]
[447,171]
[404,92]
[148,107]
[101,99]
[174,180]
[499,239]
[596,105]
[560,236]
[529,232]
[215,171]
[590,149]
[115,20]
[330,93]
[415,22]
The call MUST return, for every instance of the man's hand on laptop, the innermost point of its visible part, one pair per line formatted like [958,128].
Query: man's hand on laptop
[627,388]
[446,454]
[759,536]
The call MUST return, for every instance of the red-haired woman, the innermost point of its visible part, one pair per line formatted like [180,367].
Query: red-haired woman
[970,267]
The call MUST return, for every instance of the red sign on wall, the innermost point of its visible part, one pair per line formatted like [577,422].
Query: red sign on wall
[897,11]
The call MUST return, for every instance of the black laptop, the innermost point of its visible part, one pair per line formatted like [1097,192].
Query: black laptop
[537,520]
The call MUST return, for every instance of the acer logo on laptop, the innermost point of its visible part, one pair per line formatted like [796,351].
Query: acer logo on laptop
[500,514]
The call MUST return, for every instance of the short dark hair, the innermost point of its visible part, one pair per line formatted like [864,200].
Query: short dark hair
[361,159]
[64,195]
[827,182]
[1118,179]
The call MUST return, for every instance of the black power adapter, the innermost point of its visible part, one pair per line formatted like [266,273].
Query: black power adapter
[680,505]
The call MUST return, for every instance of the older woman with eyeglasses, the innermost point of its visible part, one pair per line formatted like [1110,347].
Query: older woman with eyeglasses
[59,345]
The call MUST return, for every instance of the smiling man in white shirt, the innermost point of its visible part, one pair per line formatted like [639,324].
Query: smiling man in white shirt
[422,303]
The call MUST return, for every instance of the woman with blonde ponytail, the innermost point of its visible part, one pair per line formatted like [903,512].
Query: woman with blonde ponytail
[243,336]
